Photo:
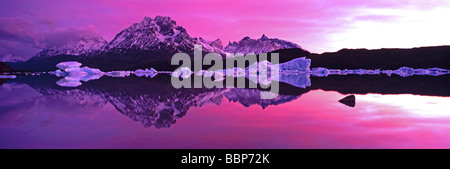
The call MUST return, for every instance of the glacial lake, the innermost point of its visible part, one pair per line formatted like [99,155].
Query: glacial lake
[143,112]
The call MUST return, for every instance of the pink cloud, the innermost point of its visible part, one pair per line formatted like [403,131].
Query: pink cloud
[17,29]
[22,39]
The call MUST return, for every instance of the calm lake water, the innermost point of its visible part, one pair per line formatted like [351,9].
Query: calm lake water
[139,112]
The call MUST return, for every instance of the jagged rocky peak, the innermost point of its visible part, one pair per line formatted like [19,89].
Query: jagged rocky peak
[161,24]
[153,35]
[217,44]
[264,37]
[166,25]
[89,44]
[148,33]
[261,45]
[246,38]
[159,33]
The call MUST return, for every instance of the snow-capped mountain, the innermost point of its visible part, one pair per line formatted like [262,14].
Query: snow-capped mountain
[10,58]
[157,33]
[256,46]
[87,45]
[160,33]
[149,43]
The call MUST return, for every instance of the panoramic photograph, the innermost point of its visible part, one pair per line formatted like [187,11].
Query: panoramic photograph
[216,74]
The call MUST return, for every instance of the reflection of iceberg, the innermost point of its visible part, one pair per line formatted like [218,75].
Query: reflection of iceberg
[184,72]
[147,73]
[294,72]
[73,74]
[118,73]
[68,83]
[298,80]
[438,71]
[248,97]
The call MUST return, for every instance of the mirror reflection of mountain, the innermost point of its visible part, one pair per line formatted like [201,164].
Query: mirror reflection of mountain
[154,102]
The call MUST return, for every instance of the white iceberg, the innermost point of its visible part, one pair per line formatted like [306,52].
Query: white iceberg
[219,75]
[239,72]
[235,72]
[438,71]
[360,71]
[208,73]
[200,73]
[421,71]
[344,72]
[387,72]
[147,72]
[320,72]
[404,71]
[73,74]
[67,66]
[295,65]
[374,72]
[58,73]
[334,71]
[230,72]
[184,72]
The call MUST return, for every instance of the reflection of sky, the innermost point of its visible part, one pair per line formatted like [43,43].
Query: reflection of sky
[315,120]
[421,106]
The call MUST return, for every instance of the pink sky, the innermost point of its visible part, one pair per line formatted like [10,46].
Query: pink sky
[27,26]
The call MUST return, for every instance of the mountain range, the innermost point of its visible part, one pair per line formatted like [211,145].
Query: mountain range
[149,43]
[256,46]
[153,41]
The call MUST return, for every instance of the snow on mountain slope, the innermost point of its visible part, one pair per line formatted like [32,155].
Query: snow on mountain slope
[256,46]
[149,34]
[88,44]
[153,41]
[153,34]
[11,58]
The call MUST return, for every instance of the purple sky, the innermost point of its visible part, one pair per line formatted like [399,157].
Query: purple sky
[28,26]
